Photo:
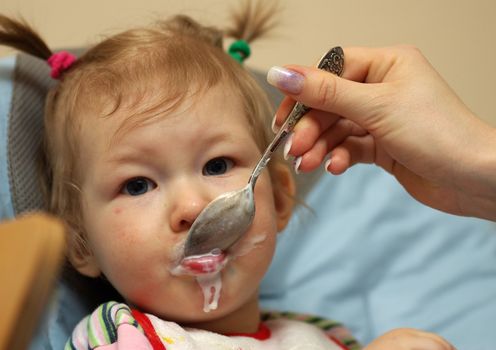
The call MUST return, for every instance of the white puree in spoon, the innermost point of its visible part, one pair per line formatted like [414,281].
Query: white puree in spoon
[207,269]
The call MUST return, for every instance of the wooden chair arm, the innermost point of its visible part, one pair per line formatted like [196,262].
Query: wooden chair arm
[31,255]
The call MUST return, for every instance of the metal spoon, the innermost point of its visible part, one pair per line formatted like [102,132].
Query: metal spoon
[224,220]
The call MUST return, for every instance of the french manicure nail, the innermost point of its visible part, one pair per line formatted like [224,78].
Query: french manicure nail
[296,164]
[274,127]
[285,79]
[287,146]
[327,163]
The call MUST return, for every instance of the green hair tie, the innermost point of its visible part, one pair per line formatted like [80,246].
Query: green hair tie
[239,50]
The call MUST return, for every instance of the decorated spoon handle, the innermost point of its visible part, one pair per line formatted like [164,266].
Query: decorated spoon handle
[333,62]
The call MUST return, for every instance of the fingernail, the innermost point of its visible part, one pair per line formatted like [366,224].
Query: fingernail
[275,128]
[296,164]
[327,163]
[287,146]
[285,79]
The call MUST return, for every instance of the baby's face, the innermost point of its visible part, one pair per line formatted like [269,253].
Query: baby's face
[142,193]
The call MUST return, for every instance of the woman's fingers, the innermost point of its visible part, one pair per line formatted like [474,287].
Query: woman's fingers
[308,130]
[344,136]
[352,151]
[327,92]
[347,96]
[282,113]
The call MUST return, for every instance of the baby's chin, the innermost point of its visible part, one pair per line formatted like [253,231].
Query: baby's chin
[189,309]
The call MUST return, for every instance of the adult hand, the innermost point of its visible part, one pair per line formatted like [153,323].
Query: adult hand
[393,109]
[409,339]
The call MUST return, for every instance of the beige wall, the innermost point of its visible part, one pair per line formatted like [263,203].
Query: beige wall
[458,37]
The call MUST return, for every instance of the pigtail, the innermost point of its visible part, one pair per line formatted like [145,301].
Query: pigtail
[252,20]
[19,35]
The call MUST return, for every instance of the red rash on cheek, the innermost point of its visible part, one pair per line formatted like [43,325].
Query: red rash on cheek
[117,210]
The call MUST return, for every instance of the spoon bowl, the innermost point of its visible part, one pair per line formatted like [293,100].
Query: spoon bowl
[221,223]
[228,217]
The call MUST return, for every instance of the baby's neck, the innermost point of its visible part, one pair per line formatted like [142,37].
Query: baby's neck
[246,319]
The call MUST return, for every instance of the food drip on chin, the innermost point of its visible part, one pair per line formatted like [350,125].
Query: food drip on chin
[207,269]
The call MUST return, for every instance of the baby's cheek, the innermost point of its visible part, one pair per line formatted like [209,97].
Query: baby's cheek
[119,252]
[129,268]
[254,252]
[125,254]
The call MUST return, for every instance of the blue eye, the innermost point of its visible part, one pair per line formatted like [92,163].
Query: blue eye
[217,166]
[138,186]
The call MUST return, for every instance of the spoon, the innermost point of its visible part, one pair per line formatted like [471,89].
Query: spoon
[225,220]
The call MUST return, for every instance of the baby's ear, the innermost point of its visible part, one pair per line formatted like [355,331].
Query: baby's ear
[284,191]
[81,257]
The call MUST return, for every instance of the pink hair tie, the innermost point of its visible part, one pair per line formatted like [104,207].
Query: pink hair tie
[59,62]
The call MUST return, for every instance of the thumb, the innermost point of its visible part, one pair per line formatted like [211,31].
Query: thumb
[327,92]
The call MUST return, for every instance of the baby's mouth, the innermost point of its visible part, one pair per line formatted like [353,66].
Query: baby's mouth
[216,260]
[204,264]
[206,270]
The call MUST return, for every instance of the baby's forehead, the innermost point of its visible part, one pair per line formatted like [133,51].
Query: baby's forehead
[116,119]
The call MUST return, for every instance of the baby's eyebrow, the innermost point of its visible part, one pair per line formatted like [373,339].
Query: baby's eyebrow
[139,153]
[123,158]
[143,152]
[227,137]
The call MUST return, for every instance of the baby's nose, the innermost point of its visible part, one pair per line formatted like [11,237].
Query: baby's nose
[189,200]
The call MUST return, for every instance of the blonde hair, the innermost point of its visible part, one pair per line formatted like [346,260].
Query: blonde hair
[178,53]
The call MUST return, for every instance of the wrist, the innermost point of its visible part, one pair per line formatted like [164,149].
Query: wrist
[480,183]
